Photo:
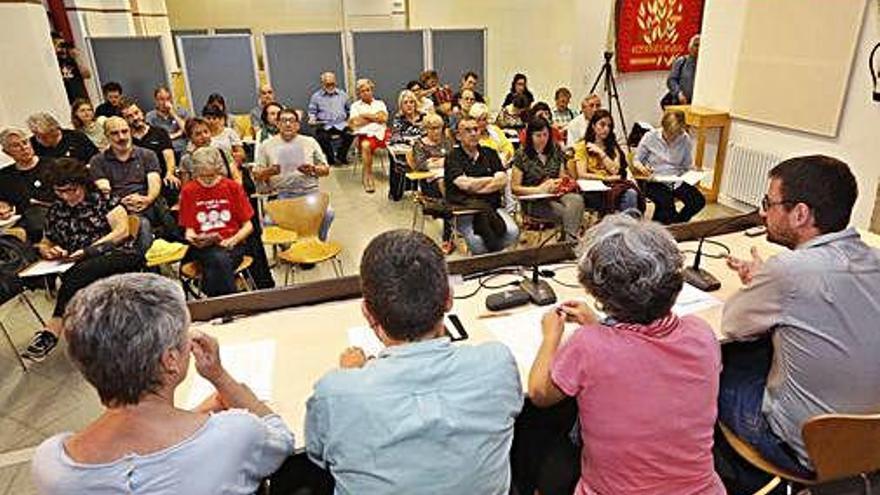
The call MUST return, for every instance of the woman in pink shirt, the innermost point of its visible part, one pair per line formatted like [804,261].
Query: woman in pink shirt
[645,380]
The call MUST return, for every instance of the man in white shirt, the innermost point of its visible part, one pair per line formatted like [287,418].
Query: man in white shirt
[577,127]
[292,163]
[367,119]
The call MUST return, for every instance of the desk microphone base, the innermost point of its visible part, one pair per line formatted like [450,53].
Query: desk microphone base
[701,279]
[540,293]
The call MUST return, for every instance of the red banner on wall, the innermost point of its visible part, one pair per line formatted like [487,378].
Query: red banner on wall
[651,34]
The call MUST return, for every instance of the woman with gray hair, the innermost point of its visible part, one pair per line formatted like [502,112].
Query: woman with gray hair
[645,380]
[129,336]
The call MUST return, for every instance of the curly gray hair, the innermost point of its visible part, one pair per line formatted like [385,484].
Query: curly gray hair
[632,267]
[117,330]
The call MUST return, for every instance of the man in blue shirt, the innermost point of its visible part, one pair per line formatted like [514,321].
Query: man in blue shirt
[328,113]
[424,416]
[682,75]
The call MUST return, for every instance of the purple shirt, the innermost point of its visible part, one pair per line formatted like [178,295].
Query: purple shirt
[329,109]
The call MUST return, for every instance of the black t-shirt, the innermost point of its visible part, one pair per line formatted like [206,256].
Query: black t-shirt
[126,177]
[20,186]
[73,79]
[156,140]
[107,110]
[458,163]
[73,144]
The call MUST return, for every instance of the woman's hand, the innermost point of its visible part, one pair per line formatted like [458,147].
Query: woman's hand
[550,185]
[579,312]
[553,324]
[594,149]
[51,252]
[206,352]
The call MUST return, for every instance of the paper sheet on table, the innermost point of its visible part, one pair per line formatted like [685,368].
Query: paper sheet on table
[692,300]
[691,177]
[535,196]
[46,267]
[592,185]
[521,333]
[365,338]
[251,363]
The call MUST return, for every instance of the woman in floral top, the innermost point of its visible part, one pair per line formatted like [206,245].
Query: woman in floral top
[407,124]
[429,153]
[88,229]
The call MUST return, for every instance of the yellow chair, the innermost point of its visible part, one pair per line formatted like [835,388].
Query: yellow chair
[242,125]
[843,445]
[191,274]
[304,216]
[753,457]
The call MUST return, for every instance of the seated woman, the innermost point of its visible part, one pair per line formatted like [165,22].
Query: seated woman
[367,119]
[538,168]
[514,115]
[429,153]
[216,214]
[599,157]
[645,380]
[491,136]
[84,226]
[543,111]
[82,116]
[462,106]
[518,86]
[269,119]
[667,151]
[129,337]
[198,131]
[406,126]
[224,137]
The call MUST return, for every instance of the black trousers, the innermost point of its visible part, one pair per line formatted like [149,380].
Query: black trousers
[218,267]
[334,143]
[90,270]
[664,198]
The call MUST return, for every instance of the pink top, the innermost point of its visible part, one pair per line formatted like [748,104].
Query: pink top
[647,404]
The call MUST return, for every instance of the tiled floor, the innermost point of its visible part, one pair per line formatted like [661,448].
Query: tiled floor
[52,397]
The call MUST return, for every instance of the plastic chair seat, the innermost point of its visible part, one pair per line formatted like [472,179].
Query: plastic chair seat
[162,252]
[311,250]
[755,458]
[273,234]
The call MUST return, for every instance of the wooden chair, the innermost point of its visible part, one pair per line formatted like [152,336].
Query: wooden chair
[191,277]
[20,234]
[304,216]
[539,226]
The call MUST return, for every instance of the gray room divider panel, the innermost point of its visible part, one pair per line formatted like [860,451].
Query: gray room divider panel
[456,51]
[135,63]
[294,63]
[390,59]
[222,64]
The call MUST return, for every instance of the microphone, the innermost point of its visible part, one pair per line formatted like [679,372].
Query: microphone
[699,277]
[539,291]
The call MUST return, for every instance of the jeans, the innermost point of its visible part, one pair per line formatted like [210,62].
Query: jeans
[569,210]
[740,396]
[218,267]
[476,244]
[664,196]
[629,199]
[329,215]
[89,270]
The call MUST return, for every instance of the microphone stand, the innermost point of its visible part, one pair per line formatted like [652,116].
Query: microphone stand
[539,291]
[699,277]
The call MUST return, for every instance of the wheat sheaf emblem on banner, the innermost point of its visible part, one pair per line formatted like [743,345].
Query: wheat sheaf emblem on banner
[658,22]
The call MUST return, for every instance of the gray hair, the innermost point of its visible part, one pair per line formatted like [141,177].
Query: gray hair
[42,122]
[9,132]
[207,157]
[117,330]
[632,267]
[478,110]
[364,82]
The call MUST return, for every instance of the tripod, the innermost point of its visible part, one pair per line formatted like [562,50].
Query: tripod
[609,87]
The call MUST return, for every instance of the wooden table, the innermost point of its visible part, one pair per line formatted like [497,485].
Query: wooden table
[700,119]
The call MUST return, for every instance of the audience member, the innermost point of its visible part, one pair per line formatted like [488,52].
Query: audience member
[82,116]
[514,115]
[491,136]
[167,116]
[267,95]
[645,379]
[539,168]
[682,75]
[368,119]
[518,86]
[49,140]
[469,81]
[475,179]
[25,189]
[74,71]
[577,127]
[429,153]
[667,151]
[112,92]
[269,120]
[562,115]
[806,318]
[216,215]
[328,110]
[152,138]
[462,106]
[129,337]
[87,227]
[198,131]
[425,104]
[440,94]
[452,407]
[406,126]
[599,157]
[223,137]
[293,163]
[133,176]
[541,110]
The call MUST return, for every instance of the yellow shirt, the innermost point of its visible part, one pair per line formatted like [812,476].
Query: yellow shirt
[594,164]
[498,142]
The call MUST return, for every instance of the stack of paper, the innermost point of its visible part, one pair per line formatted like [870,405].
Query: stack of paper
[692,300]
[46,267]
[365,338]
[691,177]
[250,363]
[521,333]
[592,185]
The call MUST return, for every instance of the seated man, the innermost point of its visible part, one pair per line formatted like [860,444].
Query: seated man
[475,179]
[51,141]
[368,120]
[814,310]
[156,140]
[577,127]
[469,82]
[267,95]
[112,97]
[440,94]
[170,118]
[668,151]
[132,175]
[292,163]
[216,215]
[328,112]
[425,416]
[24,186]
[562,115]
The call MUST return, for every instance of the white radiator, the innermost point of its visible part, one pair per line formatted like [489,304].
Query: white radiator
[745,173]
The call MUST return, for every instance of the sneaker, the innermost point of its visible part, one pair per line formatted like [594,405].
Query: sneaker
[42,343]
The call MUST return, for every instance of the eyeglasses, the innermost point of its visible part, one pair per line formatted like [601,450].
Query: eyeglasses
[766,204]
[288,120]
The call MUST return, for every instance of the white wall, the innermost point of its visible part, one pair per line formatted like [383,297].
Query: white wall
[857,142]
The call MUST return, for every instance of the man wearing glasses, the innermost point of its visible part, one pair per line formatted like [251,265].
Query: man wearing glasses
[805,319]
